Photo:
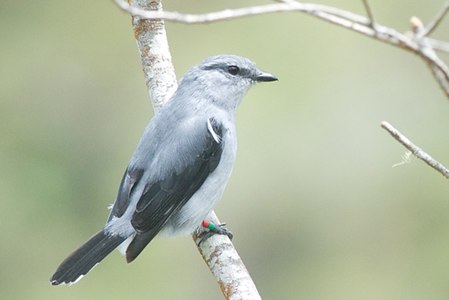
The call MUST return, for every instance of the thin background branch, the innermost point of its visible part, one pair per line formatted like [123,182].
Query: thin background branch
[417,43]
[416,151]
[218,251]
[433,24]
[369,12]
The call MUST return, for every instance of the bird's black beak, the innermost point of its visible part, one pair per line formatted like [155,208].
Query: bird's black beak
[265,77]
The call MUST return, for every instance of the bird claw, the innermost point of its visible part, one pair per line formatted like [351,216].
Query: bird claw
[212,230]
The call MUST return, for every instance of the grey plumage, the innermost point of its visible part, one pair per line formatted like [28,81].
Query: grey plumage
[179,168]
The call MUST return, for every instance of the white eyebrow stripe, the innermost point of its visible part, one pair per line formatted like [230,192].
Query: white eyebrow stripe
[216,137]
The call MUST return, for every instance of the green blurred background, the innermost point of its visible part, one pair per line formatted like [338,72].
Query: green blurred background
[317,210]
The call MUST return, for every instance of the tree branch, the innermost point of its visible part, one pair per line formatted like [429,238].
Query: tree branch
[229,14]
[439,69]
[152,44]
[415,150]
[218,252]
[433,24]
[369,12]
[439,45]
[226,265]
[418,43]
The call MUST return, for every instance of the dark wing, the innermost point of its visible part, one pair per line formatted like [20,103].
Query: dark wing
[162,198]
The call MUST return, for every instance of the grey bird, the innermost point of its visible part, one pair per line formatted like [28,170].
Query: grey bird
[180,167]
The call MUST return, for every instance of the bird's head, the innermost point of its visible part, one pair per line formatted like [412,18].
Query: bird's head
[223,79]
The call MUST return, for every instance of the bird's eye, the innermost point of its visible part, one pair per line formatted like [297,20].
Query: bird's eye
[233,70]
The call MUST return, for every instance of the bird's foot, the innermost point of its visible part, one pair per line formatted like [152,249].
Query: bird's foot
[213,229]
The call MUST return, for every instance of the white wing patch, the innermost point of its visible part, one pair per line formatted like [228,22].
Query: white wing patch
[216,137]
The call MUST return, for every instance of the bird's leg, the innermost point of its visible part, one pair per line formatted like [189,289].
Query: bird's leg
[217,228]
[213,229]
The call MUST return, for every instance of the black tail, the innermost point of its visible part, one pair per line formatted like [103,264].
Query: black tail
[82,260]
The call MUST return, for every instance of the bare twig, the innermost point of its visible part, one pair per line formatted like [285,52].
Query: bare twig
[369,12]
[417,44]
[229,14]
[218,252]
[418,152]
[439,69]
[439,45]
[437,19]
[286,1]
